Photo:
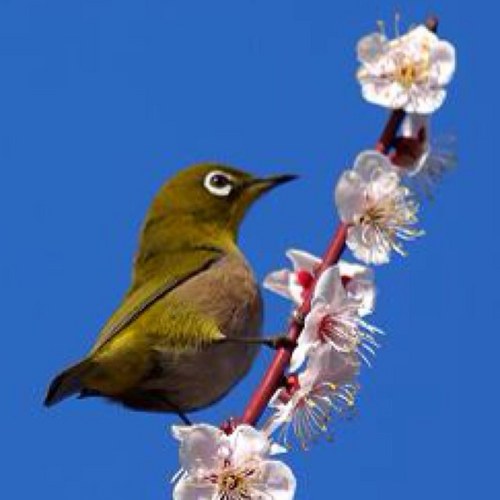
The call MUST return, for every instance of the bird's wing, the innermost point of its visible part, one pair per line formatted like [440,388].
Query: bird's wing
[139,299]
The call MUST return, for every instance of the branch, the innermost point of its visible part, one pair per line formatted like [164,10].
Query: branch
[275,373]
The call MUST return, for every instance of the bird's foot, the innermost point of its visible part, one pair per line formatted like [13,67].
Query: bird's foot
[280,342]
[185,419]
[277,342]
[175,409]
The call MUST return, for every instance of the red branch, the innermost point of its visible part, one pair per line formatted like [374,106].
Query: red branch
[273,378]
[274,375]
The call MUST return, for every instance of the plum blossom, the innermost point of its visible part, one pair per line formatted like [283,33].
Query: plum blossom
[379,210]
[334,320]
[439,158]
[408,72]
[424,161]
[326,388]
[293,284]
[217,466]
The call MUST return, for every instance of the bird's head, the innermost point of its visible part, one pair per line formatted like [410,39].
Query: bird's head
[208,198]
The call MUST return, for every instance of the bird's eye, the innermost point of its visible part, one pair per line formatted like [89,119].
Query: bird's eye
[218,183]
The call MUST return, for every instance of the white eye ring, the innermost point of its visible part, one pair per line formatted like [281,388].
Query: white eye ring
[218,183]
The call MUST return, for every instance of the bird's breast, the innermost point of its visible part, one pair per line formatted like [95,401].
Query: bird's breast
[229,294]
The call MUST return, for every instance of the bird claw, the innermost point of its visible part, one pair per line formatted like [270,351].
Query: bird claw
[278,342]
[281,342]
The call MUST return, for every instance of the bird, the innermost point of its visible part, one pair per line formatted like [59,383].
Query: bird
[189,326]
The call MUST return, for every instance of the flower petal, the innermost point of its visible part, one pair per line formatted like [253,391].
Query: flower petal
[383,185]
[420,35]
[334,366]
[442,63]
[186,489]
[384,93]
[360,285]
[370,47]
[314,368]
[329,288]
[285,282]
[380,176]
[299,354]
[353,270]
[278,282]
[349,196]
[365,293]
[416,41]
[309,335]
[202,447]
[277,449]
[247,443]
[425,100]
[371,164]
[303,260]
[276,482]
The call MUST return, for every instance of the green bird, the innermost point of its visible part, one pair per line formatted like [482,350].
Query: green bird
[189,326]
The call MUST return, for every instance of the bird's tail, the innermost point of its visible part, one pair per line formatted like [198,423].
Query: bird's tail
[67,383]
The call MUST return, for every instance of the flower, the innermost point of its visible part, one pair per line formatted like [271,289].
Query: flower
[326,388]
[294,284]
[334,320]
[424,162]
[408,72]
[377,208]
[439,158]
[217,466]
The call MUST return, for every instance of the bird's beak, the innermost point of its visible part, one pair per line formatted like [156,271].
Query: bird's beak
[261,185]
[253,189]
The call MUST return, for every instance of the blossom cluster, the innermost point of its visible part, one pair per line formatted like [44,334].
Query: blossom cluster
[378,208]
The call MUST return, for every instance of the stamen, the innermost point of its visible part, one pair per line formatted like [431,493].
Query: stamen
[381,27]
[313,412]
[391,219]
[233,483]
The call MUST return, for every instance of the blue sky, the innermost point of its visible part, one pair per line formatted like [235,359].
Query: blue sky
[101,101]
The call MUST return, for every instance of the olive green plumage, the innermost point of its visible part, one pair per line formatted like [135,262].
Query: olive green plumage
[166,347]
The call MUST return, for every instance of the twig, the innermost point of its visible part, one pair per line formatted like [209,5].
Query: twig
[274,376]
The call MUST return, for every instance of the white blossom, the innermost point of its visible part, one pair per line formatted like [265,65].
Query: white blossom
[408,72]
[334,320]
[423,160]
[326,388]
[379,210]
[217,466]
[293,284]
